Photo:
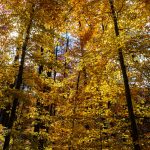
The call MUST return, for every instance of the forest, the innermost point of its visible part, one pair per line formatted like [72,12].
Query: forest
[74,75]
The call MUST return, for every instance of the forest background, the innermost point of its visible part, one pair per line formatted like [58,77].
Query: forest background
[74,74]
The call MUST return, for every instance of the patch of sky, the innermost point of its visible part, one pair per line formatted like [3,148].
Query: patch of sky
[71,43]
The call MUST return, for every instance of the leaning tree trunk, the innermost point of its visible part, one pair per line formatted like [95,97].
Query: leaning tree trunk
[134,131]
[18,83]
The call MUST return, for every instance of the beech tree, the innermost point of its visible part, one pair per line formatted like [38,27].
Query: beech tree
[74,74]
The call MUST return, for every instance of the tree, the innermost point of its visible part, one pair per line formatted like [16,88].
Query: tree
[126,83]
[67,73]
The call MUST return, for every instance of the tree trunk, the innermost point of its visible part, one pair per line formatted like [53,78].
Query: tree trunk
[18,84]
[4,112]
[134,131]
[71,142]
[67,47]
[56,57]
[38,124]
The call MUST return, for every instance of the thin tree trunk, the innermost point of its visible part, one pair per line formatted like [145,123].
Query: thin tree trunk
[4,112]
[134,131]
[67,47]
[82,53]
[51,108]
[84,68]
[38,123]
[71,142]
[18,84]
[56,57]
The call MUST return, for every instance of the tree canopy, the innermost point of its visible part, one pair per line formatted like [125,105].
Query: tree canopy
[74,74]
